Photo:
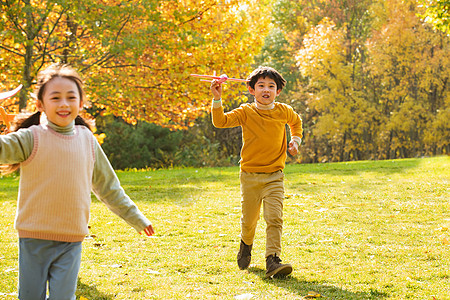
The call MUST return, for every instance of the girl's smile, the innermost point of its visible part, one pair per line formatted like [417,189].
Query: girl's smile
[61,101]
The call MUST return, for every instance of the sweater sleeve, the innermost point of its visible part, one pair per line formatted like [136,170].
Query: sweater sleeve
[107,188]
[295,124]
[16,147]
[233,118]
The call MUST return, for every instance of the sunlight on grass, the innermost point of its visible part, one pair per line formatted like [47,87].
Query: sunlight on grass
[355,230]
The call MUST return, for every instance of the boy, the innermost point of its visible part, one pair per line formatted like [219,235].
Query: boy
[263,157]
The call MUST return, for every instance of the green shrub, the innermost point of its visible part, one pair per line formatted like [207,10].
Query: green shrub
[143,145]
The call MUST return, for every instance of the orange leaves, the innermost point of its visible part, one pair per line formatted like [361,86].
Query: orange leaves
[136,57]
[196,38]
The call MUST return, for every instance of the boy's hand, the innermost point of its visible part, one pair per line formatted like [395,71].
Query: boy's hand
[293,148]
[216,89]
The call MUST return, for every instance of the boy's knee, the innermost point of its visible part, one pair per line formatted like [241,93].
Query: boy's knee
[274,219]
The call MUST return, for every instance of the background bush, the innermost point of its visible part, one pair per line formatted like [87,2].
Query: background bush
[147,145]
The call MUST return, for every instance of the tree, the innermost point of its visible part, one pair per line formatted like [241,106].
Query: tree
[437,13]
[409,71]
[343,117]
[136,56]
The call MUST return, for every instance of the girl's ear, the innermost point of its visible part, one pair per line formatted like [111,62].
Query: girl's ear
[251,90]
[40,105]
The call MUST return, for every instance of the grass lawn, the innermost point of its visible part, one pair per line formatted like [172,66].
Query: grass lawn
[356,230]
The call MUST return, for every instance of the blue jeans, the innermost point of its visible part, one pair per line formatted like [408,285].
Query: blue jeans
[52,262]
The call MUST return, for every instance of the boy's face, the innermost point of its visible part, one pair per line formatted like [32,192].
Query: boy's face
[265,90]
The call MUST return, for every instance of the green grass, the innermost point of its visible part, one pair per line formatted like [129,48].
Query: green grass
[356,230]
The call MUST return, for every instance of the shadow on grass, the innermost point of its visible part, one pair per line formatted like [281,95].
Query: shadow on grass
[302,288]
[91,292]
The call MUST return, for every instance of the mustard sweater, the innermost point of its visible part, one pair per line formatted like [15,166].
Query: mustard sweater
[263,134]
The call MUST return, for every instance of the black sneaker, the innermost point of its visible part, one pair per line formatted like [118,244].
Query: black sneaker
[274,267]
[244,255]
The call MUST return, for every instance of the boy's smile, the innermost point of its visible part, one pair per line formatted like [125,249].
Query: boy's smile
[265,90]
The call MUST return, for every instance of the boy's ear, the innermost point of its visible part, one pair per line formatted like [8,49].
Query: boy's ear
[251,90]
[278,92]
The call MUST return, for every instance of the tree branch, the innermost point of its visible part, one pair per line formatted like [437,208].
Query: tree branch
[10,50]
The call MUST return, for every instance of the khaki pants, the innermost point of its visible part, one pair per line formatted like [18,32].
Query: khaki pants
[266,188]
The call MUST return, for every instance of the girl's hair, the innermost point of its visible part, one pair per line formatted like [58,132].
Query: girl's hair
[26,120]
[263,72]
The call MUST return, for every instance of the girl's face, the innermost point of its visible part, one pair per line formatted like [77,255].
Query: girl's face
[265,90]
[61,101]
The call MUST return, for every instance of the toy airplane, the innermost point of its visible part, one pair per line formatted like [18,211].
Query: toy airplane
[220,79]
[8,118]
[9,94]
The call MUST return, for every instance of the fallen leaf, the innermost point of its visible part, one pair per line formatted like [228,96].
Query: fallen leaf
[82,298]
[312,295]
[244,296]
[445,241]
[10,270]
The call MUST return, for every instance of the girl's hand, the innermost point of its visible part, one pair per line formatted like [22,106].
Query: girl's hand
[293,148]
[216,89]
[149,230]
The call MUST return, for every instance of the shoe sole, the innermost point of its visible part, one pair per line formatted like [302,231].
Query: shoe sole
[281,271]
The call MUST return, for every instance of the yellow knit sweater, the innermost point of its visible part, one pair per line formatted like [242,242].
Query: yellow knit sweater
[263,134]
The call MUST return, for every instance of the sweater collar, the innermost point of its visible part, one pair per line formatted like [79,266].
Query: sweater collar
[66,130]
[264,106]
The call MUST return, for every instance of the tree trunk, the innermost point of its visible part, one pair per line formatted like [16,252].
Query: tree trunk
[28,63]
[26,76]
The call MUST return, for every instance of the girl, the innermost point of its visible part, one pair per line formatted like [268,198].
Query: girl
[60,163]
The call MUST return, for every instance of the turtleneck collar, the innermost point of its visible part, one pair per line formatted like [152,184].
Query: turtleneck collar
[67,130]
[264,106]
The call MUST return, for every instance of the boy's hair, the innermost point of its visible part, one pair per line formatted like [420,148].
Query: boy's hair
[26,120]
[263,72]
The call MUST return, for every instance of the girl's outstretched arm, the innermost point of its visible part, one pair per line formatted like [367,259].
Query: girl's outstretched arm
[16,147]
[106,187]
[149,230]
